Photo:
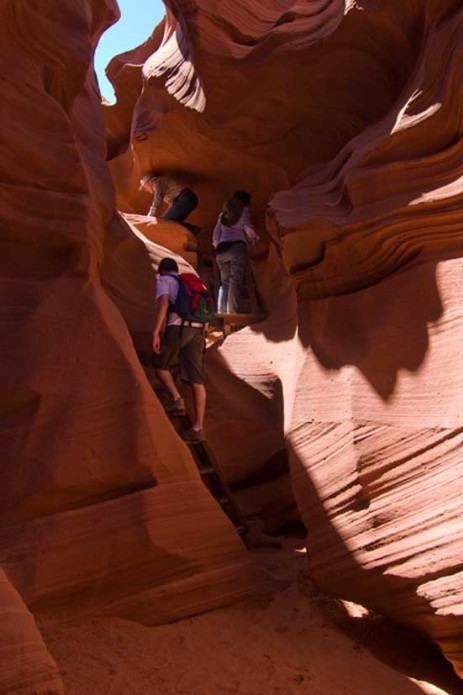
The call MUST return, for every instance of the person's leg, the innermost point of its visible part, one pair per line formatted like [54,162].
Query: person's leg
[167,380]
[192,371]
[176,212]
[199,396]
[162,362]
[224,270]
[181,207]
[237,273]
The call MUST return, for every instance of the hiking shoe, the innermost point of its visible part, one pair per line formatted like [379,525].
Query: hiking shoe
[176,408]
[194,436]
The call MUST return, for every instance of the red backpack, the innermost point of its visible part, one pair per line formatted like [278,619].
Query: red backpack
[193,302]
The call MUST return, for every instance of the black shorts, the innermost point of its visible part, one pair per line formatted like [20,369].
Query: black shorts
[186,345]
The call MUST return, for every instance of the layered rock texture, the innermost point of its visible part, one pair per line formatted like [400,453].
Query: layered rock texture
[25,664]
[343,119]
[101,506]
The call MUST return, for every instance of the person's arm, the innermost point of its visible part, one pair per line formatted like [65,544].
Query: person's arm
[157,198]
[162,306]
[249,230]
[216,233]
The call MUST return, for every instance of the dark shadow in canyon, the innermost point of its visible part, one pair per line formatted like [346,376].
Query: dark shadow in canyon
[380,330]
[335,572]
[402,648]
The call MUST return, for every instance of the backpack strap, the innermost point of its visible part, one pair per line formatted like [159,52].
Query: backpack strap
[176,277]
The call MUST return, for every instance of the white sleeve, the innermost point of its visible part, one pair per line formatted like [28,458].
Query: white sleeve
[251,234]
[162,287]
[248,226]
[157,199]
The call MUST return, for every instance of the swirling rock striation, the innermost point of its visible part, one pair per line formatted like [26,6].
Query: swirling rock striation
[393,195]
[102,509]
[343,118]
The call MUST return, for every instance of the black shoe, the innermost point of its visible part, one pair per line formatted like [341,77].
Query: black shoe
[175,408]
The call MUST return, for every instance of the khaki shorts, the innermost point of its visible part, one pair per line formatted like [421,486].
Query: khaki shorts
[185,345]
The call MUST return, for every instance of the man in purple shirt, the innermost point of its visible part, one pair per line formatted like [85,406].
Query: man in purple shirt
[177,340]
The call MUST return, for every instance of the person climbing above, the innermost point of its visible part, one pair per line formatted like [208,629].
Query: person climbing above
[174,339]
[230,238]
[181,201]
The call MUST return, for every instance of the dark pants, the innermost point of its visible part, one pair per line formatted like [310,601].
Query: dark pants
[232,266]
[181,206]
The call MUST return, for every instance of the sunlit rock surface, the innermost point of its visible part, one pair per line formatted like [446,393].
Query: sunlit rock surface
[343,120]
[376,442]
[102,509]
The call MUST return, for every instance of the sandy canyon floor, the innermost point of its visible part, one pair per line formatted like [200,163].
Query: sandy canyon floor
[295,642]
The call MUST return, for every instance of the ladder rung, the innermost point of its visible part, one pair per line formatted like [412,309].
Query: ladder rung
[216,485]
[204,470]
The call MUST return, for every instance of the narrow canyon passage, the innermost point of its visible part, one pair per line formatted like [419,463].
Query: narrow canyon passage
[335,413]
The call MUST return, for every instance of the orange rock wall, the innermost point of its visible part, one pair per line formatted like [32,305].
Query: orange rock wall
[25,664]
[375,444]
[101,505]
[343,120]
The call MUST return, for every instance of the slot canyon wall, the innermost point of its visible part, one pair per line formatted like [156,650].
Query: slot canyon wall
[102,510]
[344,120]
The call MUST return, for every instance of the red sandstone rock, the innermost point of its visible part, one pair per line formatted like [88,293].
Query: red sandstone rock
[392,196]
[25,665]
[375,447]
[356,142]
[102,509]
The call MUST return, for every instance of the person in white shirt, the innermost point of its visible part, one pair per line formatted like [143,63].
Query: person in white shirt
[232,234]
[181,201]
[177,340]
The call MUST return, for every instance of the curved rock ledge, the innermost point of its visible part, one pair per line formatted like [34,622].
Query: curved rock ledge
[342,119]
[102,507]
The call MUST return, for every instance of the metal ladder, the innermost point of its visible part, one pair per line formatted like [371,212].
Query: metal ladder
[213,478]
[251,531]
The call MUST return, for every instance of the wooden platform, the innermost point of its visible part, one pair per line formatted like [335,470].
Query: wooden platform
[237,319]
[224,324]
